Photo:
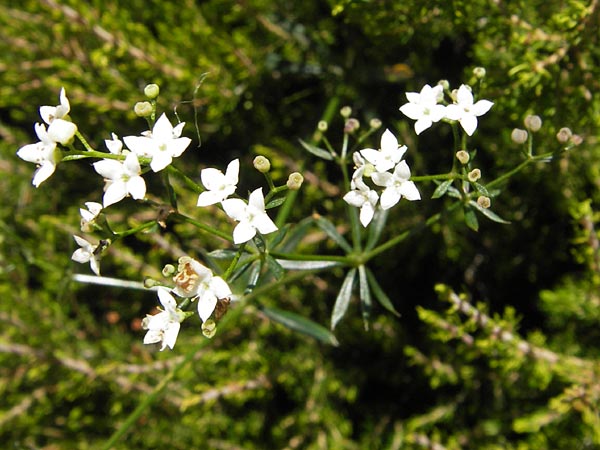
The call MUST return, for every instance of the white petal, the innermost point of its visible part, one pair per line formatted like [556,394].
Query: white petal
[170,335]
[243,232]
[257,200]
[178,146]
[177,129]
[366,213]
[371,155]
[141,145]
[153,336]
[82,242]
[389,143]
[464,96]
[206,305]
[264,224]
[413,97]
[208,198]
[132,165]
[162,129]
[220,287]
[232,172]
[95,265]
[81,256]
[47,113]
[355,198]
[109,168]
[409,191]
[136,186]
[422,124]
[160,160]
[115,192]
[389,197]
[382,178]
[453,112]
[166,299]
[412,110]
[212,178]
[469,124]
[43,173]
[235,208]
[62,131]
[481,107]
[402,171]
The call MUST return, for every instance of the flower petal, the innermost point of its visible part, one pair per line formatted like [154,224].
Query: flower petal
[243,232]
[206,305]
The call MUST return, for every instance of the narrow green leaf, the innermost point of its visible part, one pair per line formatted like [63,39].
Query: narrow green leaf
[317,151]
[471,219]
[442,189]
[380,295]
[274,268]
[343,298]
[275,203]
[242,266]
[301,324]
[329,228]
[296,234]
[253,277]
[488,213]
[480,188]
[275,239]
[376,228]
[453,192]
[365,296]
[306,265]
[222,254]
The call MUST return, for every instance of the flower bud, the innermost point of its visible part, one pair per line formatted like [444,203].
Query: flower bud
[519,136]
[474,175]
[463,156]
[209,328]
[168,270]
[151,282]
[262,164]
[479,72]
[563,135]
[345,112]
[576,139]
[322,126]
[533,123]
[143,109]
[375,124]
[445,84]
[294,181]
[351,125]
[151,91]
[484,201]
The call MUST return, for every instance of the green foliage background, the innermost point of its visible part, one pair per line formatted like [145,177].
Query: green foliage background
[518,372]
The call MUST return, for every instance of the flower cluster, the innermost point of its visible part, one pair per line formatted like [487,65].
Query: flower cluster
[376,164]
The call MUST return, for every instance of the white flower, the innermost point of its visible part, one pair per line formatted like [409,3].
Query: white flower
[122,178]
[43,153]
[50,113]
[251,216]
[397,185]
[162,144]
[219,186]
[88,216]
[195,280]
[366,200]
[423,107]
[87,253]
[59,129]
[164,326]
[388,155]
[114,145]
[465,111]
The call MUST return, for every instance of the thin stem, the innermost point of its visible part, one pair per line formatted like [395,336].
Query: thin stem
[187,180]
[202,226]
[84,141]
[76,155]
[302,257]
[517,169]
[142,227]
[234,262]
[441,176]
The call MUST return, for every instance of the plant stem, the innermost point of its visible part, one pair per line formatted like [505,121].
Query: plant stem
[203,226]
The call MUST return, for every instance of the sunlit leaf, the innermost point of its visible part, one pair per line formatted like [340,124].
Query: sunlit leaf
[488,213]
[380,295]
[343,299]
[471,219]
[317,151]
[442,189]
[301,324]
[365,295]
[306,265]
[329,228]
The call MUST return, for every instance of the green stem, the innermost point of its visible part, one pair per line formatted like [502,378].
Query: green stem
[441,176]
[76,155]
[84,141]
[202,226]
[302,257]
[517,169]
[234,262]
[187,180]
[144,226]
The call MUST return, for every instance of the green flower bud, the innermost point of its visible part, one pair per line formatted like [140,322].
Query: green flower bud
[375,124]
[519,136]
[479,72]
[168,270]
[463,156]
[151,91]
[322,126]
[262,164]
[445,84]
[563,135]
[484,201]
[151,282]
[143,109]
[209,328]
[351,125]
[474,175]
[533,123]
[345,112]
[294,181]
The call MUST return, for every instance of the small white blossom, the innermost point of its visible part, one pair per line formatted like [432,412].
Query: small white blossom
[87,253]
[122,178]
[195,280]
[50,113]
[59,129]
[114,145]
[43,153]
[89,215]
[219,186]
[424,108]
[465,111]
[366,200]
[397,185]
[164,326]
[387,156]
[251,216]
[162,144]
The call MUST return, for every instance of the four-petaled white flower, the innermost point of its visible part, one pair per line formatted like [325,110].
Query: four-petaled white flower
[87,253]
[164,326]
[114,145]
[122,178]
[251,216]
[366,200]
[219,186]
[195,280]
[397,185]
[88,216]
[424,108]
[162,144]
[465,111]
[59,129]
[387,156]
[43,153]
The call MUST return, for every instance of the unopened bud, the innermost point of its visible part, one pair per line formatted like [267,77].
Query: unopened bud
[351,125]
[322,126]
[474,175]
[484,201]
[375,124]
[151,91]
[151,282]
[479,72]
[445,84]
[168,270]
[563,135]
[294,181]
[576,139]
[345,112]
[143,109]
[262,164]
[533,123]
[209,328]
[519,136]
[463,156]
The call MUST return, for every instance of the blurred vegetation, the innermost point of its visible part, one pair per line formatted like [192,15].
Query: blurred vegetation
[502,354]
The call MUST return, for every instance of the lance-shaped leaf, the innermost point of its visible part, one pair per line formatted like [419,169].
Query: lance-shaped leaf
[329,228]
[278,236]
[306,265]
[365,295]
[253,277]
[441,189]
[376,227]
[343,299]
[274,268]
[317,151]
[471,219]
[380,295]
[488,213]
[275,202]
[301,324]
